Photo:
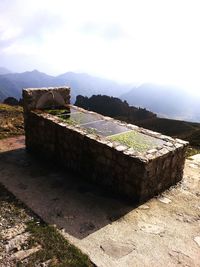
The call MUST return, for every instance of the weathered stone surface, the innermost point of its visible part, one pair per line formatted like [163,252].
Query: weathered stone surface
[17,241]
[151,228]
[23,254]
[164,200]
[14,231]
[197,240]
[35,98]
[115,249]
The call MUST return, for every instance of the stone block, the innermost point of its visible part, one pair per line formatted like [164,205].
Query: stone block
[132,162]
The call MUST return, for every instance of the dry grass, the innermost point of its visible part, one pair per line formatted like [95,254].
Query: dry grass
[55,250]
[11,121]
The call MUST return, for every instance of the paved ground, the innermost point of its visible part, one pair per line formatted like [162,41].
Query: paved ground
[165,231]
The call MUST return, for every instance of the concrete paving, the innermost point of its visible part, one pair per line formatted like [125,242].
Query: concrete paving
[164,231]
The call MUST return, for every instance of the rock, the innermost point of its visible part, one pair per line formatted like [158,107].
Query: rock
[116,249]
[151,228]
[164,200]
[22,254]
[197,240]
[180,258]
[16,242]
[196,158]
[14,231]
[144,207]
[121,148]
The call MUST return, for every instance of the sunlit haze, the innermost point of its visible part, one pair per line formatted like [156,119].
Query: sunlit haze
[128,41]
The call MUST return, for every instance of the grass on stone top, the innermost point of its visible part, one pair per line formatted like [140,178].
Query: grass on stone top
[135,140]
[57,111]
[73,121]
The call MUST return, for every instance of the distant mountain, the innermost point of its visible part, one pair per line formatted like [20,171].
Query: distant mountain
[166,101]
[4,71]
[11,84]
[113,107]
[87,85]
[8,88]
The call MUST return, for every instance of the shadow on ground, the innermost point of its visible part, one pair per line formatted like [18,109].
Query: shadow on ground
[58,196]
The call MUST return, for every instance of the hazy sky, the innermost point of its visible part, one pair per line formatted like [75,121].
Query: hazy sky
[133,41]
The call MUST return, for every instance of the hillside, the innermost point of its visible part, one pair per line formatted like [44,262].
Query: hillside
[11,84]
[181,129]
[11,121]
[8,88]
[4,71]
[166,101]
[113,107]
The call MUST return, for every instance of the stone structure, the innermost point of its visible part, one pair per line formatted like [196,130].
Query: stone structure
[46,98]
[130,161]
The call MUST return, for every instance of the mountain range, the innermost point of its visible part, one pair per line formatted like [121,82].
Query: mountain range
[11,84]
[166,101]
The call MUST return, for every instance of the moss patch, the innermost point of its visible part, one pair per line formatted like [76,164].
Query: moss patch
[57,112]
[135,140]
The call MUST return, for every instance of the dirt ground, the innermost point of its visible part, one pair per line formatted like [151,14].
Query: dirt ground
[165,231]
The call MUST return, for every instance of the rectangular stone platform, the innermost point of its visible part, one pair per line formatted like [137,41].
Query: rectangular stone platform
[128,160]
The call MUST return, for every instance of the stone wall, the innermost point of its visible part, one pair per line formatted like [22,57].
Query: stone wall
[43,98]
[117,167]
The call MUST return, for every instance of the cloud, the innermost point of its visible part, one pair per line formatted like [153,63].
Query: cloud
[129,40]
[106,31]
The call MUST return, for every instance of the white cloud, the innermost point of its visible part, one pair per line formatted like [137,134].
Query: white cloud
[141,41]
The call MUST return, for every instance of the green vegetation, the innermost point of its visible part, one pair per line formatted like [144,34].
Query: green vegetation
[8,108]
[113,107]
[57,112]
[54,247]
[70,121]
[91,130]
[135,140]
[78,118]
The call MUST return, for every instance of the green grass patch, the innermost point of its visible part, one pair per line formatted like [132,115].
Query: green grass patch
[54,247]
[5,107]
[135,140]
[57,112]
[91,131]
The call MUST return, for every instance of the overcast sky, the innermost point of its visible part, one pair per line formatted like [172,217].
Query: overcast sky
[131,41]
